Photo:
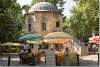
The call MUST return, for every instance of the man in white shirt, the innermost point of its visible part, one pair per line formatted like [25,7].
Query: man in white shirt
[26,47]
[24,50]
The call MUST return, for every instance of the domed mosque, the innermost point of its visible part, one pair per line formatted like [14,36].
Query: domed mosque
[43,18]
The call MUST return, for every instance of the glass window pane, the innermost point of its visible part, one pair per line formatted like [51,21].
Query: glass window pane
[43,26]
[29,27]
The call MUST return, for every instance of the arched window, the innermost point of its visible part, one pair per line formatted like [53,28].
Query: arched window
[43,23]
[30,20]
[29,27]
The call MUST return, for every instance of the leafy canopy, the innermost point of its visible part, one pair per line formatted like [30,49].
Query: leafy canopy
[84,20]
[10,20]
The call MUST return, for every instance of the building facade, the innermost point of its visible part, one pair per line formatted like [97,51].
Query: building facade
[43,18]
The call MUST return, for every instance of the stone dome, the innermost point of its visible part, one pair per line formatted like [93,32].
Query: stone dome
[43,6]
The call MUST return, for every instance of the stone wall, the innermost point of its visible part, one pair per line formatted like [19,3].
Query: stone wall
[84,51]
[51,19]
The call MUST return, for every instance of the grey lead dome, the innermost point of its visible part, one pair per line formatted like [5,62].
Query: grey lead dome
[43,6]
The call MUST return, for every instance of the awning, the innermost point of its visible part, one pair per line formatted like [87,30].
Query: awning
[11,44]
[57,37]
[58,40]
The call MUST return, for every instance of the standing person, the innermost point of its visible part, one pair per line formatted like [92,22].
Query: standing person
[51,58]
[66,49]
[31,58]
[21,52]
[94,48]
[26,47]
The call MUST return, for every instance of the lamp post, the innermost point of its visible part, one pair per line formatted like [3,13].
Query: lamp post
[9,60]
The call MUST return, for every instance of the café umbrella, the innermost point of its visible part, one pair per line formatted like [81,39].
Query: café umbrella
[31,38]
[57,37]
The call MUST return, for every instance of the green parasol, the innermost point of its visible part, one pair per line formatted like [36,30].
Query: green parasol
[31,38]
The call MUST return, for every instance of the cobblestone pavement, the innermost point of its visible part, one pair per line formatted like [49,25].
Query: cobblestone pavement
[89,60]
[14,61]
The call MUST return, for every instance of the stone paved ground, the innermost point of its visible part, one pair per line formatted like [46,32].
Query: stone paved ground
[90,60]
[14,61]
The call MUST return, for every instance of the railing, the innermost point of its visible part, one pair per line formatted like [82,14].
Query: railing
[77,41]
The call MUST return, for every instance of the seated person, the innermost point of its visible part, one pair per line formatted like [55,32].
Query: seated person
[23,55]
[31,59]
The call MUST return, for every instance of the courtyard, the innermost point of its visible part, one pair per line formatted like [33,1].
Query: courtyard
[84,60]
[49,33]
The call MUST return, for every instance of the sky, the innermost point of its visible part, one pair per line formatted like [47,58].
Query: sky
[68,5]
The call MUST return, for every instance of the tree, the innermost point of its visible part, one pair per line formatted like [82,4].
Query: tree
[10,17]
[54,2]
[8,29]
[85,18]
[26,8]
[60,3]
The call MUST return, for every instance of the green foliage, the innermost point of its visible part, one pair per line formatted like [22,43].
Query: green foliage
[54,2]
[60,3]
[35,1]
[67,23]
[10,20]
[26,8]
[7,29]
[85,19]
